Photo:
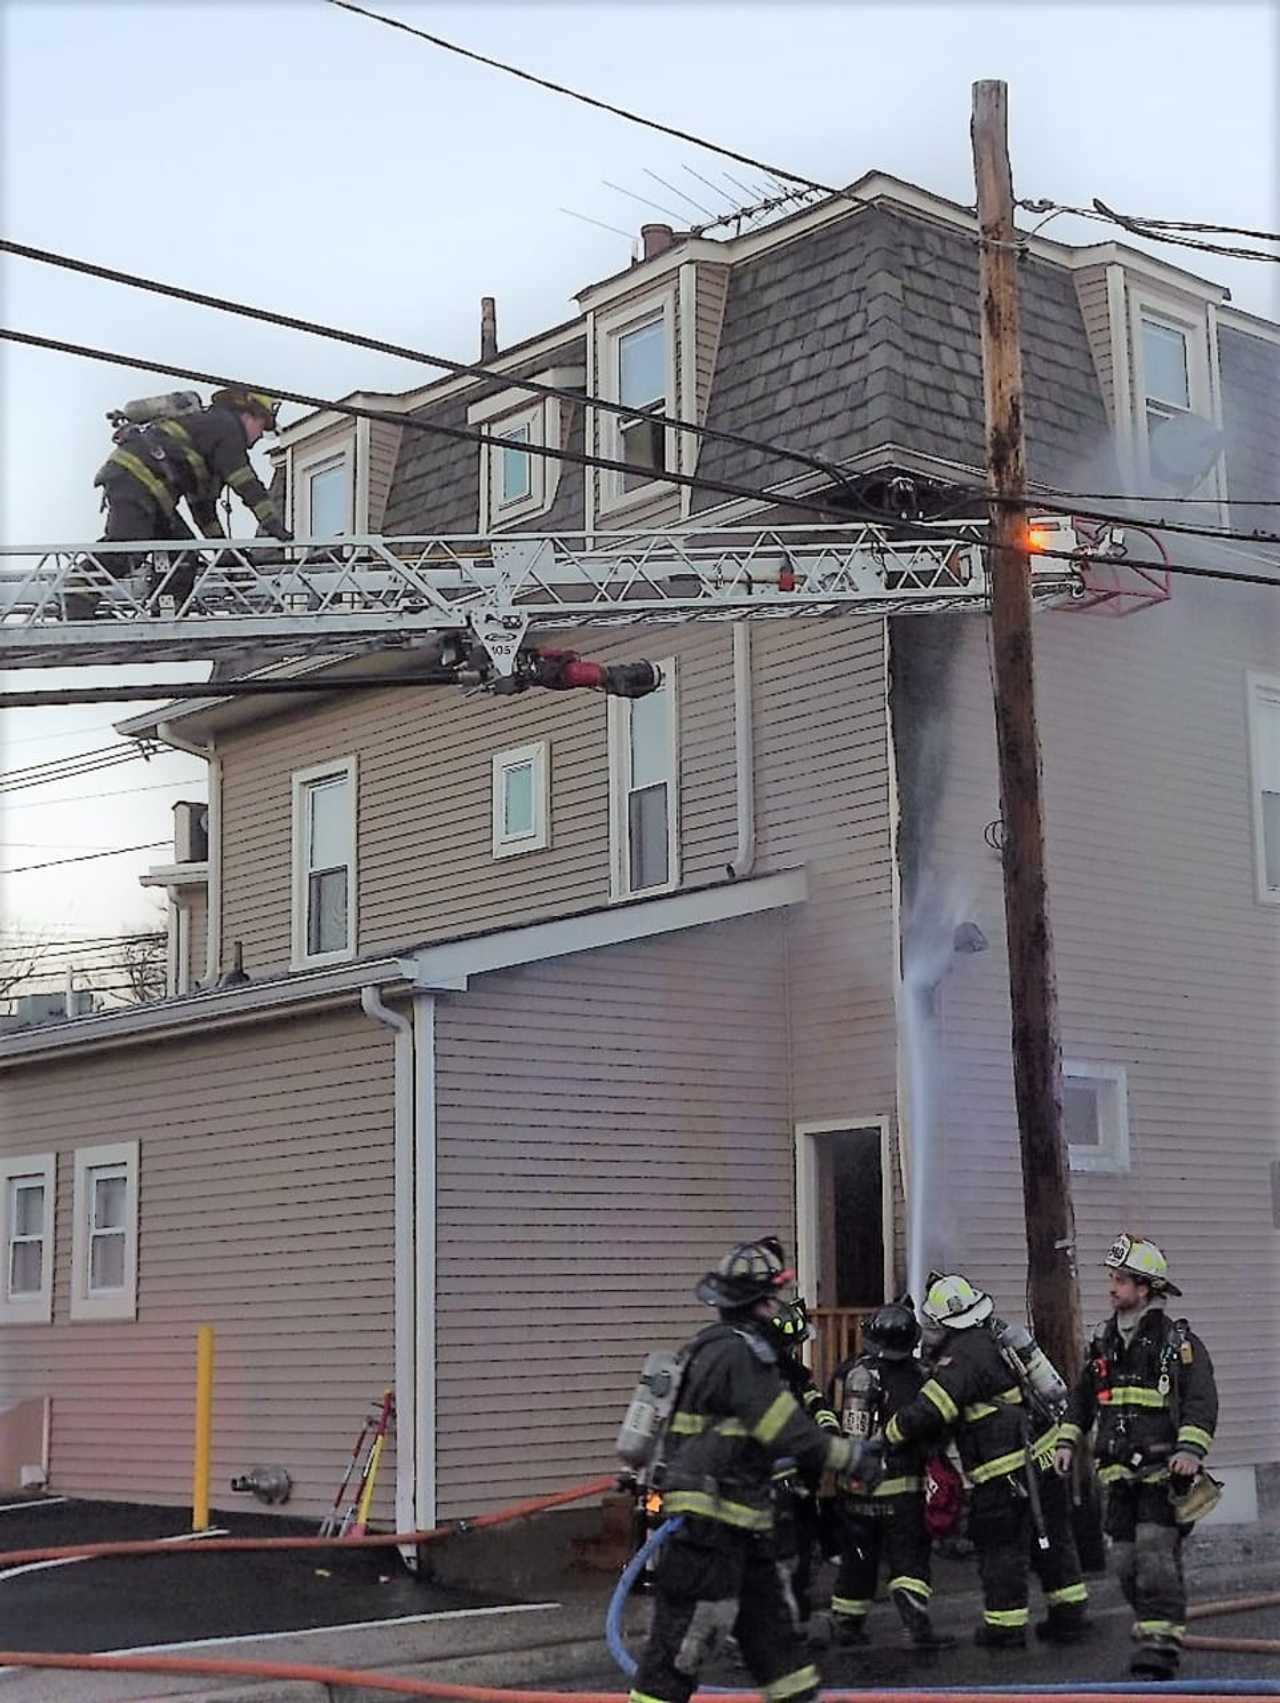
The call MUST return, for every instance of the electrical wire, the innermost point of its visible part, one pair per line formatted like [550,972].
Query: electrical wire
[378,345]
[1156,230]
[120,792]
[89,857]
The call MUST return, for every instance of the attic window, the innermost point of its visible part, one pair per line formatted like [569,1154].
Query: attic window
[642,383]
[636,362]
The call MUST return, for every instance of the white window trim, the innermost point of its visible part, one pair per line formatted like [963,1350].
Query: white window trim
[608,329]
[619,740]
[315,461]
[1111,1156]
[543,422]
[124,1303]
[301,779]
[511,845]
[1259,688]
[1196,321]
[28,1309]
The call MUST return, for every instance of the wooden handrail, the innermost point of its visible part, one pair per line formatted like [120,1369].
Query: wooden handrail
[837,1333]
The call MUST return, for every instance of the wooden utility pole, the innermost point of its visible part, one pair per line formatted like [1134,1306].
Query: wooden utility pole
[1037,1054]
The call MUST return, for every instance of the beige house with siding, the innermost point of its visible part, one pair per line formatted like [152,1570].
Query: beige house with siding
[549,998]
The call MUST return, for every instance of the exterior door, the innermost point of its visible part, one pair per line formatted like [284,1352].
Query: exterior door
[844,1230]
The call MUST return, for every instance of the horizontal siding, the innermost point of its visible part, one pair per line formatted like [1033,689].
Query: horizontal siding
[606,1126]
[1165,965]
[425,864]
[266,1210]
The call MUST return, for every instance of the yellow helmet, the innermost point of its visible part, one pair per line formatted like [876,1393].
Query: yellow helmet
[1140,1258]
[249,402]
[954,1302]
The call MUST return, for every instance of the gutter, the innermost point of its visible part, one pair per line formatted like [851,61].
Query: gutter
[744,752]
[213,913]
[405,1294]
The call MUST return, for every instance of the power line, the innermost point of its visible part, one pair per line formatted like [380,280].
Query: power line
[120,792]
[604,106]
[89,857]
[1156,230]
[410,422]
[378,345]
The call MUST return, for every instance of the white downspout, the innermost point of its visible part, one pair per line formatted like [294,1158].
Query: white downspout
[744,752]
[424,1034]
[213,912]
[372,1005]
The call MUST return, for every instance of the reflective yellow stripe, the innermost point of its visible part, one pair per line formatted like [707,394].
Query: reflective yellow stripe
[941,1400]
[792,1684]
[241,477]
[775,1417]
[851,1605]
[1043,1446]
[182,437]
[265,510]
[643,1697]
[1159,1628]
[1119,1473]
[1196,1434]
[1006,1616]
[1000,1467]
[708,1507]
[142,473]
[893,1431]
[1068,1433]
[914,1587]
[983,1409]
[898,1486]
[730,1428]
[1136,1395]
[1069,1593]
[688,1424]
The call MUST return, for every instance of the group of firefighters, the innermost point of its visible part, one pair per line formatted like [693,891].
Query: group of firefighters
[758,1467]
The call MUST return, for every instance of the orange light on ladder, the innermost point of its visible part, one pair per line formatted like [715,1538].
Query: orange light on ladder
[1039,538]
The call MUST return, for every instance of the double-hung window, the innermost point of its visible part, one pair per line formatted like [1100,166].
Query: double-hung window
[521,818]
[104,1238]
[642,384]
[26,1239]
[324,863]
[323,492]
[644,791]
[1174,379]
[514,477]
[1264,754]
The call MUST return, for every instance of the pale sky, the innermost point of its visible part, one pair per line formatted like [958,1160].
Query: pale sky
[308,160]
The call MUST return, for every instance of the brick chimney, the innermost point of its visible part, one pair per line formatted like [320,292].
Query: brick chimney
[657,239]
[488,328]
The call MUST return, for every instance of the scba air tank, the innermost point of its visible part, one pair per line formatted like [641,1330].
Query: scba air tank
[649,1409]
[858,1409]
[1041,1375]
[148,408]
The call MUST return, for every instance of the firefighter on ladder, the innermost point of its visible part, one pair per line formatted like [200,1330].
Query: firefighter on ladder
[1148,1384]
[734,1419]
[972,1392]
[186,457]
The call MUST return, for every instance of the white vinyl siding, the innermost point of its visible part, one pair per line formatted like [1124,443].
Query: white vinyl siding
[26,1238]
[1264,743]
[644,789]
[324,863]
[104,1233]
[521,805]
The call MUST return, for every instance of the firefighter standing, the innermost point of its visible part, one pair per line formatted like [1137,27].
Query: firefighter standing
[866,1391]
[733,1420]
[796,1500]
[189,458]
[1018,1515]
[1149,1386]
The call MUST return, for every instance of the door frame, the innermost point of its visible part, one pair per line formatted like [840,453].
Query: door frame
[806,1161]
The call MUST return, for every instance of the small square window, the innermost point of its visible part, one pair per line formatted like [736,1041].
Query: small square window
[26,1239]
[1095,1116]
[104,1242]
[521,806]
[324,863]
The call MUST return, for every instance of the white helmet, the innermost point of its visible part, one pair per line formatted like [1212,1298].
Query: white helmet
[1142,1259]
[954,1302]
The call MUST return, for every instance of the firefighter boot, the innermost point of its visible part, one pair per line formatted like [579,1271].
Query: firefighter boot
[919,1628]
[989,1637]
[1157,1655]
[1065,1623]
[849,1629]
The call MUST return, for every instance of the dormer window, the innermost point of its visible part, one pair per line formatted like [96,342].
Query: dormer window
[1166,370]
[642,383]
[515,477]
[516,485]
[323,484]
[636,363]
[1173,377]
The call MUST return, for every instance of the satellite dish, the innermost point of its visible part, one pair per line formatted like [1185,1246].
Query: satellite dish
[1183,449]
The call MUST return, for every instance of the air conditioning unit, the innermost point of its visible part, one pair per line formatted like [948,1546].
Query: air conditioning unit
[190,832]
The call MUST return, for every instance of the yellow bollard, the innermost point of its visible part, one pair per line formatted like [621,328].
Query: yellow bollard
[204,1428]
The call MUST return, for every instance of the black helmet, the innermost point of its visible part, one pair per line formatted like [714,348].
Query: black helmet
[791,1321]
[892,1331]
[746,1274]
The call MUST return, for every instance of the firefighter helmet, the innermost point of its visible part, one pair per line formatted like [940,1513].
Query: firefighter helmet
[791,1322]
[746,1274]
[267,408]
[1137,1257]
[892,1331]
[954,1302]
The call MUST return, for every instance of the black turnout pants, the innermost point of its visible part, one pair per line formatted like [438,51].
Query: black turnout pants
[1147,1546]
[706,1587]
[892,1530]
[1005,1538]
[132,513]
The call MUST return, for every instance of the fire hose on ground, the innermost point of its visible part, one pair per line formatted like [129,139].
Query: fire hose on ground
[1245,1691]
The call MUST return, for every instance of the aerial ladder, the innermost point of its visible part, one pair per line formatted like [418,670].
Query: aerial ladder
[471,607]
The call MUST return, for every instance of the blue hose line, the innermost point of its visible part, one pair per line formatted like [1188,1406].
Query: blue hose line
[1207,1688]
[618,1601]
